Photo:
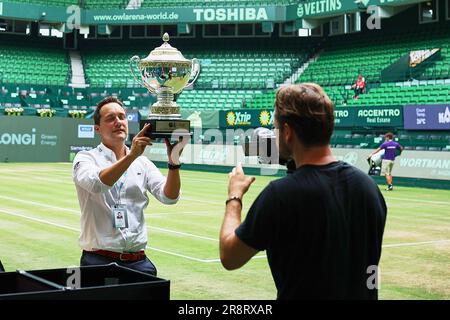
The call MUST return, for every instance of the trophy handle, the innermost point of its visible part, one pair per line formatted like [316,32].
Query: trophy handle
[133,62]
[195,68]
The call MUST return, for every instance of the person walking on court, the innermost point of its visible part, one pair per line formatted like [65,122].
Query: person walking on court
[391,150]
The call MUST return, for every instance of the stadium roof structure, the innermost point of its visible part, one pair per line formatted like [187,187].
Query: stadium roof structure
[302,14]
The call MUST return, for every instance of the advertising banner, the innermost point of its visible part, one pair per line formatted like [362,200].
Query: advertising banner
[367,117]
[411,164]
[187,15]
[430,117]
[246,118]
[35,139]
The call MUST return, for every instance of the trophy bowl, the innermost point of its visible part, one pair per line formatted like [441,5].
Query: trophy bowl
[165,72]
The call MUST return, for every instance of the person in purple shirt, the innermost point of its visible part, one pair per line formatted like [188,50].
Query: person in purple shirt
[391,149]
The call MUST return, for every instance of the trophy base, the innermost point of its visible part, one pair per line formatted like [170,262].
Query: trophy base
[167,128]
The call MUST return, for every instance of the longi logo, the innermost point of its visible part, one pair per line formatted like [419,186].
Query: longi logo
[19,138]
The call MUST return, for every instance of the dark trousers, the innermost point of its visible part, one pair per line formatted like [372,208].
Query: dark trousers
[92,259]
[358,91]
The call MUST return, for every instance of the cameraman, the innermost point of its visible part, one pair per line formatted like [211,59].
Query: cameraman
[322,226]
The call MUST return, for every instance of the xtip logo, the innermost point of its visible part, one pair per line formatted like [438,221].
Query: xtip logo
[238,118]
[444,117]
[231,118]
[266,118]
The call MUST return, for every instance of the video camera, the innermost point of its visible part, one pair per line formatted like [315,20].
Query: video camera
[262,144]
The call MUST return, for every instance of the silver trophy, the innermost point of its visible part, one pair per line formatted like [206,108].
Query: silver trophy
[165,72]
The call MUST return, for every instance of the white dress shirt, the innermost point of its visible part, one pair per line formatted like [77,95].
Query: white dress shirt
[97,199]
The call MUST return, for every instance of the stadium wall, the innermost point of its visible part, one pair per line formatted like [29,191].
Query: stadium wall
[33,139]
[412,168]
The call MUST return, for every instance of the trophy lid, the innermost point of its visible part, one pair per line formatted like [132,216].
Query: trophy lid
[166,53]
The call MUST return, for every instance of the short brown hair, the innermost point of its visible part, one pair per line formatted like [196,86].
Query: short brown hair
[389,135]
[308,110]
[107,100]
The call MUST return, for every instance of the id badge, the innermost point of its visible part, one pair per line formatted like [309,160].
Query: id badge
[120,216]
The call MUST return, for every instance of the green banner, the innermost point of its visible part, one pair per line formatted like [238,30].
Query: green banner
[34,12]
[319,8]
[246,118]
[163,15]
[206,119]
[176,15]
[328,8]
[34,139]
[369,117]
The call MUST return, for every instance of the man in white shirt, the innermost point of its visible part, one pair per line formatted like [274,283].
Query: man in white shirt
[112,183]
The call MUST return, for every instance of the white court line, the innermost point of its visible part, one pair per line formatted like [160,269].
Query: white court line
[78,214]
[38,220]
[167,230]
[36,170]
[183,197]
[193,213]
[218,260]
[416,200]
[15,176]
[78,231]
[192,258]
[414,243]
[183,233]
[41,204]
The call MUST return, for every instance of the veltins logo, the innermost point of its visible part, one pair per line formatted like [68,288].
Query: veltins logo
[18,138]
[300,11]
[318,7]
[444,117]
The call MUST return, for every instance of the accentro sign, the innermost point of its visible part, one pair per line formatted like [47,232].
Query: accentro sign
[19,138]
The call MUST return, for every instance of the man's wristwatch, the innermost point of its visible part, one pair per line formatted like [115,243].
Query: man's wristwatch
[234,198]
[173,166]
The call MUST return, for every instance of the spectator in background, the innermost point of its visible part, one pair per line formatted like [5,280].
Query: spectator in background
[359,87]
[391,150]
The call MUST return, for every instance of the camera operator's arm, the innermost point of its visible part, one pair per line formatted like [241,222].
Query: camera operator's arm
[234,253]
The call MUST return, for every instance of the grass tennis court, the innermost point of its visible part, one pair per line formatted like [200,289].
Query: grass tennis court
[39,228]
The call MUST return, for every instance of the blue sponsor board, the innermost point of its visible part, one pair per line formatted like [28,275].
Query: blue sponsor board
[430,117]
[133,116]
[86,131]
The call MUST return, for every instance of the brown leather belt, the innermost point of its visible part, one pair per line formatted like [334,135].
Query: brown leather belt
[129,256]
